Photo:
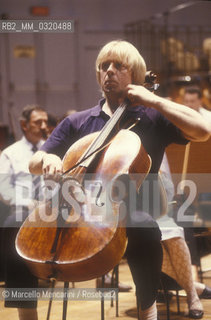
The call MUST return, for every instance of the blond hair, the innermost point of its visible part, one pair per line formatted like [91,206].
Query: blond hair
[125,53]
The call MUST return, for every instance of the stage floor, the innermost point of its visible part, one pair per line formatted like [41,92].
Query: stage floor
[91,310]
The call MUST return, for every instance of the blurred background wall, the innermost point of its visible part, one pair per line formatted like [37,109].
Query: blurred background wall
[57,70]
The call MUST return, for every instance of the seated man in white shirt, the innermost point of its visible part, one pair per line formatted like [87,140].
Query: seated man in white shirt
[17,191]
[193,99]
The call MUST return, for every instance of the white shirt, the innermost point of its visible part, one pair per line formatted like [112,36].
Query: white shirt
[168,227]
[16,186]
[206,114]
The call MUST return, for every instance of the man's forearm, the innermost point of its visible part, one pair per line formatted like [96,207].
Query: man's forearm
[190,122]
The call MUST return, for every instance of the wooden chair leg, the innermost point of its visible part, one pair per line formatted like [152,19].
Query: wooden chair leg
[65,301]
[200,272]
[50,300]
[102,300]
[178,302]
[167,304]
[116,283]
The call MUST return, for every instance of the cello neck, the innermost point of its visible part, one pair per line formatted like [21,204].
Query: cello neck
[106,131]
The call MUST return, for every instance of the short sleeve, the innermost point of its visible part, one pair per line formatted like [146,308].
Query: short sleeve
[170,133]
[61,138]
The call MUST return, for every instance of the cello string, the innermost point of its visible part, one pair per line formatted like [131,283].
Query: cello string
[95,147]
[107,129]
[98,142]
[96,151]
[84,159]
[115,118]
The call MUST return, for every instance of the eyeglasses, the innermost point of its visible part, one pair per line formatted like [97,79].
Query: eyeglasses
[117,65]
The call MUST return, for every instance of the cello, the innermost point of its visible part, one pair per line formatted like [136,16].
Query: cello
[81,248]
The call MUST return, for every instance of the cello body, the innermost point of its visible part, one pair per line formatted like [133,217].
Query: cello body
[87,245]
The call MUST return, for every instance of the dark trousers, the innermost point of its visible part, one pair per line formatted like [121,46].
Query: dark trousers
[144,256]
[16,272]
[144,251]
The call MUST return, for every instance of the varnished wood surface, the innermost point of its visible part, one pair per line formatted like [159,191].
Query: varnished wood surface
[198,167]
[90,310]
[199,157]
[95,247]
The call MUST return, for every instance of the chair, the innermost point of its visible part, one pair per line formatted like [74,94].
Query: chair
[115,281]
[167,284]
[204,207]
[203,235]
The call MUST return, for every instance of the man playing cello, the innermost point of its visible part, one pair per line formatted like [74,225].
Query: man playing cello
[121,72]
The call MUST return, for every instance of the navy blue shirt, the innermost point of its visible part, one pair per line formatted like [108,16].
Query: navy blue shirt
[154,130]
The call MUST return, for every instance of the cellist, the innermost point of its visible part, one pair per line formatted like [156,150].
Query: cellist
[120,71]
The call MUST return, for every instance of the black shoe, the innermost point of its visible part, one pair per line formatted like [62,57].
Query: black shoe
[108,284]
[206,294]
[196,314]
